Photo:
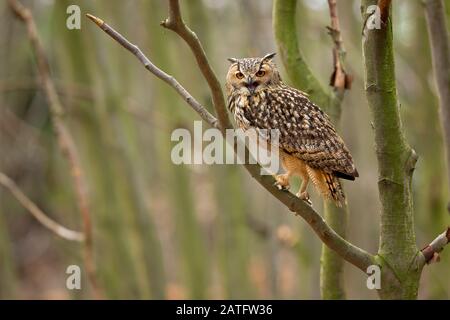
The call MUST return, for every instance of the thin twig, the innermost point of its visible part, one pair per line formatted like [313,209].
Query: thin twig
[65,140]
[339,79]
[431,251]
[205,115]
[37,213]
[345,249]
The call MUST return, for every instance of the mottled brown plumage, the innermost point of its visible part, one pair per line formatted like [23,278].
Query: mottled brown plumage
[309,144]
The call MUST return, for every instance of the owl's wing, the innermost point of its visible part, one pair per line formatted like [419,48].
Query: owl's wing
[306,132]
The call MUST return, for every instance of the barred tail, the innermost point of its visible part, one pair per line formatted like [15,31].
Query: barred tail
[335,191]
[328,185]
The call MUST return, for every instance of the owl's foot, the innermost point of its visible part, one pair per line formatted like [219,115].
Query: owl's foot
[305,197]
[282,181]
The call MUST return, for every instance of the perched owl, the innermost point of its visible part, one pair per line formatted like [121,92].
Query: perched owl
[309,146]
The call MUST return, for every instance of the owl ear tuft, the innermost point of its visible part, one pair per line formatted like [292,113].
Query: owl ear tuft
[232,60]
[268,56]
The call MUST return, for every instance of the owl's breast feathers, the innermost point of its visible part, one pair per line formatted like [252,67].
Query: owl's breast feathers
[305,131]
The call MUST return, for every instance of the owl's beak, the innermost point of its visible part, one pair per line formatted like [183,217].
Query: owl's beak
[251,85]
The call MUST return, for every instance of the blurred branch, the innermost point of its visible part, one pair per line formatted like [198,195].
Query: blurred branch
[440,50]
[71,90]
[283,234]
[431,252]
[37,213]
[65,140]
[348,251]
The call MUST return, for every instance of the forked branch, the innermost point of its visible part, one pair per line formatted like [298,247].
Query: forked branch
[171,81]
[348,251]
[175,23]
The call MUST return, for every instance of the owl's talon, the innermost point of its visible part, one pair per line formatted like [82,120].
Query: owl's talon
[280,187]
[305,197]
[282,182]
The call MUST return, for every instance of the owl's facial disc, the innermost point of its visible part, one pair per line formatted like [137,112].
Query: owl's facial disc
[249,76]
[251,80]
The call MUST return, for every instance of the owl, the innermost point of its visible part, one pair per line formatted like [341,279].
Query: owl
[309,146]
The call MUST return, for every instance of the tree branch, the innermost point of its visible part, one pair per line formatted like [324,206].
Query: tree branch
[285,24]
[65,140]
[37,213]
[175,23]
[431,251]
[348,251]
[384,6]
[332,266]
[396,163]
[340,80]
[440,50]
[69,90]
[204,114]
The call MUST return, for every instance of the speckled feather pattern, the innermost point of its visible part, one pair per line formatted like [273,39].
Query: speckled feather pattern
[305,131]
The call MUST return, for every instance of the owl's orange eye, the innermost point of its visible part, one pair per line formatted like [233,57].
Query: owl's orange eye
[239,75]
[260,73]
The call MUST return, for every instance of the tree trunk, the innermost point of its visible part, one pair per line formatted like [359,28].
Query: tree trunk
[396,160]
[332,266]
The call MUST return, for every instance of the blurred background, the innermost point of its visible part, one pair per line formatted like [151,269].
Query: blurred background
[189,231]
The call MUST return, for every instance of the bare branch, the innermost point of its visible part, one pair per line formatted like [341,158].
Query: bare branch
[175,23]
[65,140]
[431,251]
[37,213]
[346,250]
[204,114]
[339,79]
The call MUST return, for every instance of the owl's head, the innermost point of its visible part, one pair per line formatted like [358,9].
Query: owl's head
[248,76]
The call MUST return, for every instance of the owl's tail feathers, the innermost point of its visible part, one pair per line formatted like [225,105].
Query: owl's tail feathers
[328,185]
[335,191]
